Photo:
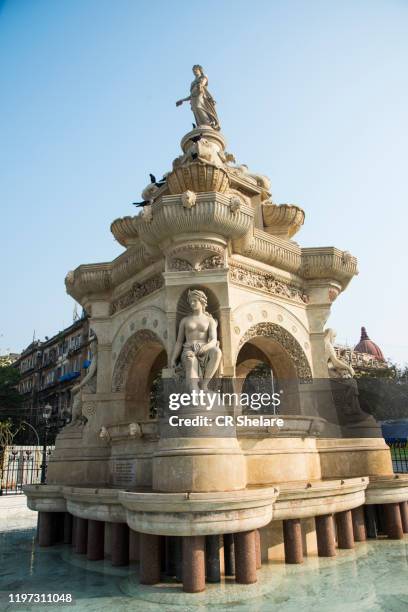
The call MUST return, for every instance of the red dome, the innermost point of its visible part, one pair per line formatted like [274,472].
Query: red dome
[368,346]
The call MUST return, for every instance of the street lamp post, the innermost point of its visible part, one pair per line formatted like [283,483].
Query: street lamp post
[47,411]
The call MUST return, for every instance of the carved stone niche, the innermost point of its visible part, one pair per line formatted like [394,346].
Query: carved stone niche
[196,255]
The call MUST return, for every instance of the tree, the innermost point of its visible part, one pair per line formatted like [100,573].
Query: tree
[10,399]
[383,392]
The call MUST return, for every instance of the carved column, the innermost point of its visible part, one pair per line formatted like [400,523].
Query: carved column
[193,564]
[404,515]
[326,544]
[81,535]
[73,534]
[345,537]
[46,529]
[212,558]
[103,374]
[119,544]
[245,557]
[392,520]
[292,538]
[149,558]
[229,554]
[96,537]
[258,553]
[67,528]
[359,528]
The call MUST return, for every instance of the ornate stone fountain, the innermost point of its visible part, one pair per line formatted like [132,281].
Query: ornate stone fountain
[209,287]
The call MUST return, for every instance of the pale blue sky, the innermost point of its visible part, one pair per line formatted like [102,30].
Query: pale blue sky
[313,94]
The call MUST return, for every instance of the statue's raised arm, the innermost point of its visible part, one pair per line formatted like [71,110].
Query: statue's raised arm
[202,102]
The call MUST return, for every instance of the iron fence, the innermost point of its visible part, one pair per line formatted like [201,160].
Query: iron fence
[23,465]
[399,454]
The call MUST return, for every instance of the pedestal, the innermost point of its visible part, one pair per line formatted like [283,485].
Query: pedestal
[245,557]
[81,535]
[96,537]
[292,538]
[404,515]
[359,528]
[193,564]
[392,521]
[344,523]
[149,558]
[119,544]
[46,529]
[326,545]
[229,555]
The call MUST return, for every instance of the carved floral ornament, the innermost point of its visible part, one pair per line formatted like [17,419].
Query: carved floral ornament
[196,256]
[137,292]
[188,199]
[287,341]
[266,282]
[235,203]
[209,263]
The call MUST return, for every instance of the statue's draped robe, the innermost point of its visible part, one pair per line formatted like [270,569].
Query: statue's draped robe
[203,104]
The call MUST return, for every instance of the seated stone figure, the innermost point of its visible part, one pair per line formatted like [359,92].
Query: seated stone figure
[197,342]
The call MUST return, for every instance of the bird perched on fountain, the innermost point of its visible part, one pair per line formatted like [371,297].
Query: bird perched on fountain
[150,191]
[158,183]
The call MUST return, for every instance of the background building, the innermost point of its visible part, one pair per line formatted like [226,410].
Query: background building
[50,368]
[366,356]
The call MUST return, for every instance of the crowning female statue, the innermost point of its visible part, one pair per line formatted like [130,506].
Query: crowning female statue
[202,102]
[197,342]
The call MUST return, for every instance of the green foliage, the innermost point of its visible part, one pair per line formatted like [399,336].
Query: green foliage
[384,392]
[10,399]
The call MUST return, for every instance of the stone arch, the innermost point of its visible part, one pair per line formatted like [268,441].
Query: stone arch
[129,353]
[293,353]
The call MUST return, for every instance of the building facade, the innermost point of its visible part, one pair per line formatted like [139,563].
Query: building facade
[50,368]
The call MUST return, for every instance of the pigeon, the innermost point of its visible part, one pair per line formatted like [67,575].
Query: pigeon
[143,203]
[196,138]
[158,183]
[194,126]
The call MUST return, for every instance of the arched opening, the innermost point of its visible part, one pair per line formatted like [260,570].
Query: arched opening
[264,367]
[270,360]
[138,367]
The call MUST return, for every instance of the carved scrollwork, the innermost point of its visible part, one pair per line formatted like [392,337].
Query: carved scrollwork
[89,409]
[266,282]
[137,292]
[214,261]
[288,342]
[179,265]
[209,263]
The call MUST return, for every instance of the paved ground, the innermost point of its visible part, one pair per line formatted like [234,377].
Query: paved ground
[14,513]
